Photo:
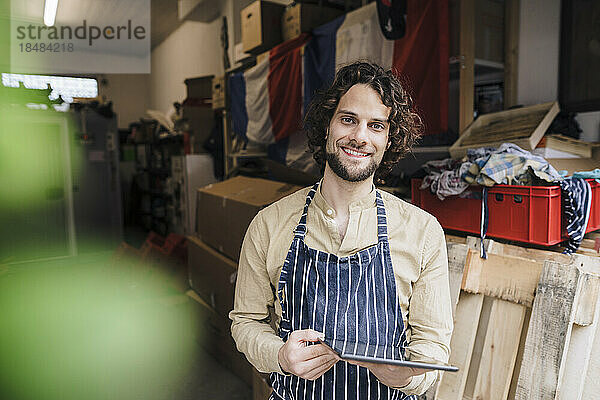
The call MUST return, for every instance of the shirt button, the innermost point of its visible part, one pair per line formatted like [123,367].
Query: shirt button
[329,212]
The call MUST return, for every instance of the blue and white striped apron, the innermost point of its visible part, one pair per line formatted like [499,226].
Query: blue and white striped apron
[353,301]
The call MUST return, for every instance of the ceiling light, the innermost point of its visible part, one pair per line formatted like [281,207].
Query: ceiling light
[50,12]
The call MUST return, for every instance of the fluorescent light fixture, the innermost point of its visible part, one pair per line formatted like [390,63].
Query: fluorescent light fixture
[50,12]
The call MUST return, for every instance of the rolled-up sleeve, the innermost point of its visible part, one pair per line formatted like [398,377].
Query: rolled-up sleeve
[254,297]
[430,309]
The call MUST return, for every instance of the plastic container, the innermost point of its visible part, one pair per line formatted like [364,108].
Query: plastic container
[530,214]
[594,221]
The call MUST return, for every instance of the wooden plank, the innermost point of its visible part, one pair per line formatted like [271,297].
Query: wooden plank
[549,332]
[455,239]
[457,255]
[466,322]
[499,350]
[484,318]
[510,278]
[578,360]
[586,312]
[591,386]
[511,51]
[467,67]
[519,360]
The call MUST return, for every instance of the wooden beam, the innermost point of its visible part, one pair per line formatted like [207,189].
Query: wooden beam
[549,332]
[466,322]
[591,386]
[511,51]
[467,63]
[510,278]
[499,350]
[457,256]
[586,313]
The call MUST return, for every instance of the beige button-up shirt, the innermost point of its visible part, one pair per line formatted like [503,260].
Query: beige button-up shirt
[419,259]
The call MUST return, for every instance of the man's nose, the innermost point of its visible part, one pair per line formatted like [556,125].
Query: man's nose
[360,133]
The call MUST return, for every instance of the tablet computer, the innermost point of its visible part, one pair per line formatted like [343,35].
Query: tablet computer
[345,355]
[403,363]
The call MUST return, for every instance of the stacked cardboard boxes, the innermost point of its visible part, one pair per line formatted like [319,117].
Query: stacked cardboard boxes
[266,24]
[224,211]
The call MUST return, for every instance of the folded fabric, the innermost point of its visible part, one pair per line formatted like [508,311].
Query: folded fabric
[577,203]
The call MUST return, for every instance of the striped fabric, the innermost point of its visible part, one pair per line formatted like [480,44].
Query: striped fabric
[577,203]
[353,301]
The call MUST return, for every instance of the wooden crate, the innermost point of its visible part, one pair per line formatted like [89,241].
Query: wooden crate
[567,144]
[524,127]
[526,323]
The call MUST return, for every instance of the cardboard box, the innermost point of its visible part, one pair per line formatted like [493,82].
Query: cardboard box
[225,210]
[218,92]
[301,18]
[261,26]
[215,338]
[211,275]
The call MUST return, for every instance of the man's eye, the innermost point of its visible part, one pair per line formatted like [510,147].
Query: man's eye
[378,126]
[347,120]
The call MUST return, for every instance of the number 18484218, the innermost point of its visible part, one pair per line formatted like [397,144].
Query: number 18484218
[46,47]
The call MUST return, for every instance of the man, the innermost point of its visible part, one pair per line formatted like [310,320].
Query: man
[345,263]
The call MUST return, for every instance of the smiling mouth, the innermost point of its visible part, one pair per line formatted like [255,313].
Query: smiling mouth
[355,153]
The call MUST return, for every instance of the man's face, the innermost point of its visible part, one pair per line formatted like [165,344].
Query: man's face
[358,134]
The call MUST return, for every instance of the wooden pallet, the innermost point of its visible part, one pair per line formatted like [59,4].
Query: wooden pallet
[525,324]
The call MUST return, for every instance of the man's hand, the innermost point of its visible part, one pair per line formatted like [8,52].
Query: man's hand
[391,375]
[308,362]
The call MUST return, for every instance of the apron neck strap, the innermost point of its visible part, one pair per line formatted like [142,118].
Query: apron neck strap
[381,218]
[300,231]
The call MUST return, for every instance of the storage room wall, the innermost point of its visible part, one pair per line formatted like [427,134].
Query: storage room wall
[192,50]
[130,94]
[539,56]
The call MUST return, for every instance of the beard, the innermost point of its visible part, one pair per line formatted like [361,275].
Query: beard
[350,173]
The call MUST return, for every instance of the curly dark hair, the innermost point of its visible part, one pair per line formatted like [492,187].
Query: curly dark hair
[405,125]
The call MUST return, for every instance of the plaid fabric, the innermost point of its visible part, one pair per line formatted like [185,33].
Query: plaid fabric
[510,165]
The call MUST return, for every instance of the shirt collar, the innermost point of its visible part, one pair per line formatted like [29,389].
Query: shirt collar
[364,203]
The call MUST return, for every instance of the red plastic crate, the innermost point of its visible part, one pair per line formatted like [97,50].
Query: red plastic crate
[530,214]
[594,222]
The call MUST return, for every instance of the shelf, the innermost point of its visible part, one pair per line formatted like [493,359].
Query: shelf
[482,67]
[248,154]
[430,149]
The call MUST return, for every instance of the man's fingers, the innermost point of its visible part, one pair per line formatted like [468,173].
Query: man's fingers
[310,367]
[318,372]
[316,350]
[307,335]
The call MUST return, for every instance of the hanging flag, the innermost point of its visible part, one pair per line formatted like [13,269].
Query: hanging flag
[269,100]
